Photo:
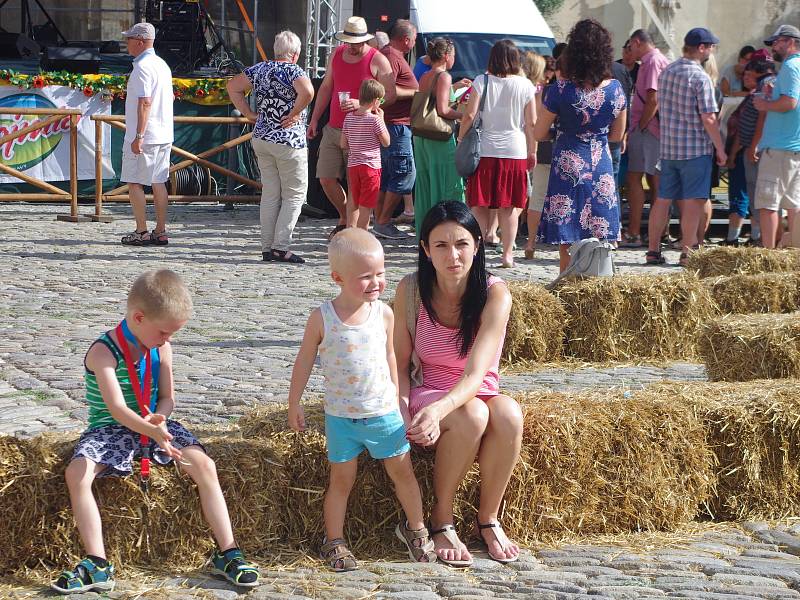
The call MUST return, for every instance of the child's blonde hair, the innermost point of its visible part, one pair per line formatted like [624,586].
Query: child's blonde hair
[349,243]
[161,295]
[370,91]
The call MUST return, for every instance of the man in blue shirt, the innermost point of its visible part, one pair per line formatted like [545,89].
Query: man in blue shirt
[778,184]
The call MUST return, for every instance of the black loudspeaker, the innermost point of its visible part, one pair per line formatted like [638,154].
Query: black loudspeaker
[18,45]
[74,60]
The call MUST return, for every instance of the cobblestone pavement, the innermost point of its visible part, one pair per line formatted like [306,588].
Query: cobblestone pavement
[62,284]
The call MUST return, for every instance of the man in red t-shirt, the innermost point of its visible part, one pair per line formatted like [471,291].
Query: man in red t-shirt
[397,161]
[348,66]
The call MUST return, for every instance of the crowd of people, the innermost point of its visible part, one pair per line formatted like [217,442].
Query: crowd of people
[561,136]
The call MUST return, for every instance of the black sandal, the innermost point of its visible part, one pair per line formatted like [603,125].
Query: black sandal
[286,256]
[653,257]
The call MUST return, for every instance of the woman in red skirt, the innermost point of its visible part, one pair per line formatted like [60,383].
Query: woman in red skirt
[508,147]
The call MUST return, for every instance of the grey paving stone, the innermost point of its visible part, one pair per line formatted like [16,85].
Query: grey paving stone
[625,592]
[732,579]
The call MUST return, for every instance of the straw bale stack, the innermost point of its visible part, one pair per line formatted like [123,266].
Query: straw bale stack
[725,260]
[163,528]
[535,329]
[756,293]
[634,316]
[745,347]
[753,430]
[590,463]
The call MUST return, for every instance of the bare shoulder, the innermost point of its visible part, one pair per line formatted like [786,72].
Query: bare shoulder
[165,353]
[499,297]
[388,315]
[100,356]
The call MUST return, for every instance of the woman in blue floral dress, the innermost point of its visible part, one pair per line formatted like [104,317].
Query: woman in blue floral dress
[581,199]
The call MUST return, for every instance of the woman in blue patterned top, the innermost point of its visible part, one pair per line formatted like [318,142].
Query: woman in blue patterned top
[282,93]
[581,199]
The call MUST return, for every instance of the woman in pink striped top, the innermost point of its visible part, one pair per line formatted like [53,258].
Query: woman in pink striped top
[455,334]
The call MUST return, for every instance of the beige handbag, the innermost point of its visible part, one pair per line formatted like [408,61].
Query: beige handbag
[425,120]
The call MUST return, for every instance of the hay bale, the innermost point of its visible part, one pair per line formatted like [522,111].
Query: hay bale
[634,316]
[535,329]
[164,528]
[757,293]
[591,463]
[746,347]
[753,430]
[725,260]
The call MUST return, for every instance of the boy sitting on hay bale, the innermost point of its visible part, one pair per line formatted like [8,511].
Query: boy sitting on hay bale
[353,335]
[130,396]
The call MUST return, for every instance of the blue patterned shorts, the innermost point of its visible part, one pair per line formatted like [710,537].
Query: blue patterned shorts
[116,447]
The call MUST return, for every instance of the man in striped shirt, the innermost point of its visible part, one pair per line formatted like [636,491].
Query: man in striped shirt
[689,136]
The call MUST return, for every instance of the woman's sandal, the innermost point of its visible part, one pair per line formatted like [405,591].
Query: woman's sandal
[653,257]
[286,256]
[337,555]
[480,527]
[449,532]
[418,542]
[529,252]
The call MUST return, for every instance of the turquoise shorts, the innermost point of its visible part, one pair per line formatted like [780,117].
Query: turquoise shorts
[383,437]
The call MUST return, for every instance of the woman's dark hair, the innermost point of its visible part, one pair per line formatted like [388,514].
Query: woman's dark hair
[760,66]
[558,49]
[504,59]
[745,51]
[588,55]
[476,293]
[438,48]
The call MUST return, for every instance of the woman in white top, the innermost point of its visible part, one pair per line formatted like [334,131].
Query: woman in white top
[508,147]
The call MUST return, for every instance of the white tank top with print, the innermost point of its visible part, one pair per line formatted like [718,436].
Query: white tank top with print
[353,358]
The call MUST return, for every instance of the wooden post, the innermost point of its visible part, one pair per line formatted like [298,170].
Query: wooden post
[98,175]
[73,217]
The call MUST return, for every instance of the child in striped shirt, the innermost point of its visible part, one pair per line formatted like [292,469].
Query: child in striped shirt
[363,134]
[130,396]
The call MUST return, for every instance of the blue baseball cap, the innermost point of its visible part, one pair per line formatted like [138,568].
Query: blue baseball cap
[698,36]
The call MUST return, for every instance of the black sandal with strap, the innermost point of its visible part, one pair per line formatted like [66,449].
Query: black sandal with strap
[654,257]
[286,256]
[337,555]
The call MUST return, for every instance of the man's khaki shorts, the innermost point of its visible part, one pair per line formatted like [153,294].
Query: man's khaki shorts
[778,184]
[332,160]
[151,166]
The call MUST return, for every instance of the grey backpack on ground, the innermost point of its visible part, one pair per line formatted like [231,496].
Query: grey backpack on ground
[588,258]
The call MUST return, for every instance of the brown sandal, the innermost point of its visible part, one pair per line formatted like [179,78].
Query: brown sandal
[479,532]
[337,555]
[418,542]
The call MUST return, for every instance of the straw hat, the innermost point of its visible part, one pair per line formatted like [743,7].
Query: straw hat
[355,31]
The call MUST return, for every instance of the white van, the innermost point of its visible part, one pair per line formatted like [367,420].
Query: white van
[475,25]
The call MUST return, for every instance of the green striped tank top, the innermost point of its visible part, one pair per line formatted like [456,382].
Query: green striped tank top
[99,414]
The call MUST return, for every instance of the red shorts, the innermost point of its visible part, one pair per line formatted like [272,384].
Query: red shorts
[364,183]
[499,183]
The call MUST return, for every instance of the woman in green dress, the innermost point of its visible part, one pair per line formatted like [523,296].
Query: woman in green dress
[437,178]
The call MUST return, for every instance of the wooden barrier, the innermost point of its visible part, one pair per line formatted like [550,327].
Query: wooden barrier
[120,194]
[51,191]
